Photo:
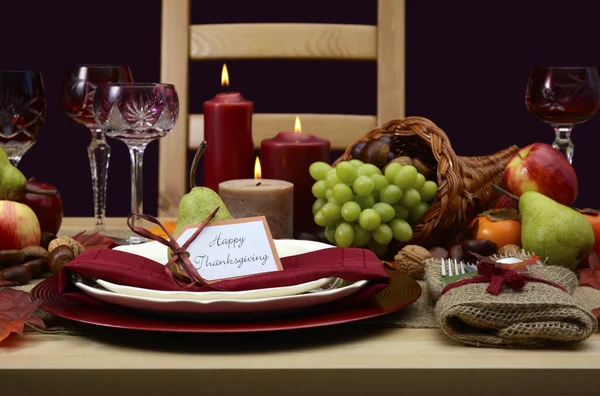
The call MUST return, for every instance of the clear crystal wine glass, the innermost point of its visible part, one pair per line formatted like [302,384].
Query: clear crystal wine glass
[77,97]
[563,97]
[22,111]
[137,114]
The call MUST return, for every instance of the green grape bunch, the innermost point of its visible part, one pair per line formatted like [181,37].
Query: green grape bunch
[361,206]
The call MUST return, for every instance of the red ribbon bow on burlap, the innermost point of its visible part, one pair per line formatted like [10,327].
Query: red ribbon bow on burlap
[498,277]
[179,254]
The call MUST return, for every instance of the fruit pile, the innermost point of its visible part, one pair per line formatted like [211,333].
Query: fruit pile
[370,203]
[31,214]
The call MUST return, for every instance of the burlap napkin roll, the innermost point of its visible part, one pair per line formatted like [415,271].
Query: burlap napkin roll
[537,315]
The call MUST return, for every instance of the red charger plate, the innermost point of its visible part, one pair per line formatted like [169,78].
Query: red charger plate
[401,292]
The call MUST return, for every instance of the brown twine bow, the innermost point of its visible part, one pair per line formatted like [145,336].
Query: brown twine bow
[179,254]
[497,278]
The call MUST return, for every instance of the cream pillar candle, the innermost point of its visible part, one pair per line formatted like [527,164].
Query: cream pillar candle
[271,198]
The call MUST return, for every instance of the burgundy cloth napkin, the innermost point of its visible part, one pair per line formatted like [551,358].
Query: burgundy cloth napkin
[128,269]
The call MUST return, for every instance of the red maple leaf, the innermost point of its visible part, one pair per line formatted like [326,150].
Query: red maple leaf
[589,271]
[94,241]
[15,310]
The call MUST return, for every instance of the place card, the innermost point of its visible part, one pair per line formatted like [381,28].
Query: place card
[228,249]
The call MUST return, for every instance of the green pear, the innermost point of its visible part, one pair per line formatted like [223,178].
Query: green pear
[553,231]
[12,181]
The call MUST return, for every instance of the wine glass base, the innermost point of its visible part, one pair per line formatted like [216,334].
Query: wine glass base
[135,239]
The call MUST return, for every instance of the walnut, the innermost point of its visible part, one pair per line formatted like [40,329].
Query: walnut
[75,246]
[510,250]
[410,261]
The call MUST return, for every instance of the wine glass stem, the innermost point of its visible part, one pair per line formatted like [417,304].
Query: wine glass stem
[136,153]
[563,142]
[99,154]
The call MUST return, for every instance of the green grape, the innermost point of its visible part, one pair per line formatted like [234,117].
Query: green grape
[363,185]
[390,194]
[391,170]
[320,220]
[318,205]
[410,198]
[332,179]
[379,181]
[386,211]
[361,236]
[383,234]
[369,219]
[377,248]
[318,170]
[330,233]
[365,202]
[329,195]
[342,193]
[428,191]
[420,182]
[346,172]
[331,212]
[401,212]
[405,177]
[344,235]
[319,188]
[368,170]
[417,211]
[350,211]
[356,163]
[401,230]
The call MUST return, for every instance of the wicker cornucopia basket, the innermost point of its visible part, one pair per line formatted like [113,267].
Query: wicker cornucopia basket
[464,182]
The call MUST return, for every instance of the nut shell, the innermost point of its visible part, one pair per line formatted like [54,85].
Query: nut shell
[510,250]
[410,261]
[75,246]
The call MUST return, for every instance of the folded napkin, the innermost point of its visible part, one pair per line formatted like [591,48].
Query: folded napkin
[542,312]
[132,270]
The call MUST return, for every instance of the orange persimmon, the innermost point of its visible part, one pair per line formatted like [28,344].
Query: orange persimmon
[593,217]
[502,226]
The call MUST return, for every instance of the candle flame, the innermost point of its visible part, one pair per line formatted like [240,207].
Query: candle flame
[297,125]
[257,169]
[224,76]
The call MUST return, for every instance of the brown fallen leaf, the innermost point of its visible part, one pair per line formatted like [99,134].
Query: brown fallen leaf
[94,241]
[15,311]
[589,271]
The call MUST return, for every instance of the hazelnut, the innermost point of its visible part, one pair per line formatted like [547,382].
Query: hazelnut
[510,250]
[75,246]
[424,169]
[59,256]
[375,152]
[410,261]
[403,160]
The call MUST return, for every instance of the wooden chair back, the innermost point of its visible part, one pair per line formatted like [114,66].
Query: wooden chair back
[181,42]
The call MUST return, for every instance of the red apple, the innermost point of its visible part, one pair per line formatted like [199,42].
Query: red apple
[19,226]
[48,209]
[539,167]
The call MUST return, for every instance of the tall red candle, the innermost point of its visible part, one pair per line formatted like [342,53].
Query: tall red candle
[228,133]
[288,156]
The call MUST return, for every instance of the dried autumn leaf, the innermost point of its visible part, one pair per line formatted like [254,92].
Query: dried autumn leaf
[501,214]
[15,310]
[589,277]
[94,241]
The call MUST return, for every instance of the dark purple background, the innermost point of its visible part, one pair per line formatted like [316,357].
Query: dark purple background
[467,64]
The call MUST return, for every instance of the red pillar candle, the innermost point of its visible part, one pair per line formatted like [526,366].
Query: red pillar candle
[228,133]
[288,156]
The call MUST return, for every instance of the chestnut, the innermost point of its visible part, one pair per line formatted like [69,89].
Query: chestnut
[60,256]
[18,274]
[388,140]
[424,169]
[483,247]
[47,237]
[438,252]
[375,152]
[456,253]
[356,149]
[37,266]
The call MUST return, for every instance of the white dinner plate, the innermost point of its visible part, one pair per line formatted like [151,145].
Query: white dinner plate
[262,305]
[158,252]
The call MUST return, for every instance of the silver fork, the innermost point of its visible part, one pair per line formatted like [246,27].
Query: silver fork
[452,267]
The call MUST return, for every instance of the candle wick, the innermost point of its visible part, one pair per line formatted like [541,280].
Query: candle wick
[258,184]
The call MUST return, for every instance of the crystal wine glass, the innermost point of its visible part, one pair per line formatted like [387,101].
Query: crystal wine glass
[77,97]
[563,97]
[22,111]
[137,114]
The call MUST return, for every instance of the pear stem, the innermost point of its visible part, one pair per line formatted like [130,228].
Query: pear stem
[195,162]
[503,191]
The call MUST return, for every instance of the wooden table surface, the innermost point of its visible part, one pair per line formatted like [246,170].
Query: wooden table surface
[362,358]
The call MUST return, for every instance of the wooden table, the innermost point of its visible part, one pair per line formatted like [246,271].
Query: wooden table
[362,358]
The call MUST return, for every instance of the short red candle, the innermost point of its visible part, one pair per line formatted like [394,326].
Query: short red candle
[288,156]
[228,134]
